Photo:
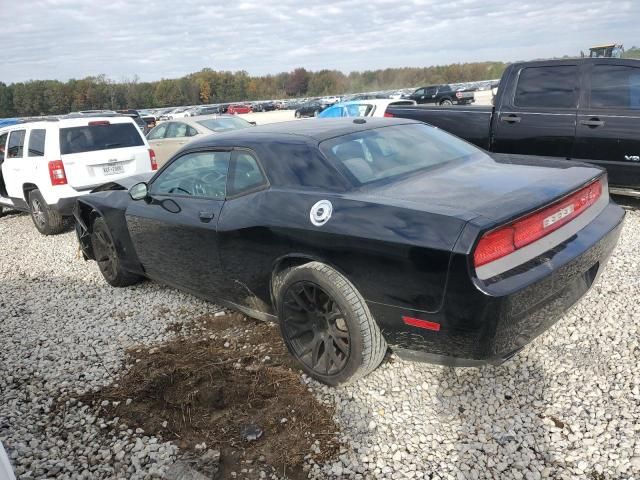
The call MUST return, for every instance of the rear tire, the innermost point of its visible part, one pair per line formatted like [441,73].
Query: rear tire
[298,115]
[47,220]
[446,102]
[326,324]
[106,256]
[316,113]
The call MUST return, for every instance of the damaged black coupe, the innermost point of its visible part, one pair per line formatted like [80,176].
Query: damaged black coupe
[355,235]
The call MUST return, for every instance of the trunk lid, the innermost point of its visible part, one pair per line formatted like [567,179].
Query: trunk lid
[499,188]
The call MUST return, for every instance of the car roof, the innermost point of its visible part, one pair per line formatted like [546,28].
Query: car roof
[373,101]
[315,130]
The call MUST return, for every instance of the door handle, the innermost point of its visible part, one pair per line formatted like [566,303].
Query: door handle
[592,123]
[206,216]
[510,118]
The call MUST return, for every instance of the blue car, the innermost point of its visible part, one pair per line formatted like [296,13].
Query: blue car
[363,108]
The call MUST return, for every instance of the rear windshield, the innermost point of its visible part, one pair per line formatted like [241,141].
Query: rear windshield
[387,152]
[224,124]
[92,138]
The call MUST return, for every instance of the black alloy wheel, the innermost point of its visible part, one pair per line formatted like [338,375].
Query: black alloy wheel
[316,328]
[105,253]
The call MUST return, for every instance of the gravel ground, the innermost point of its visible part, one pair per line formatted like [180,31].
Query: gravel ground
[568,406]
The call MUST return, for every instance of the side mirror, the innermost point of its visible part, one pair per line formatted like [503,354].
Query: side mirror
[139,191]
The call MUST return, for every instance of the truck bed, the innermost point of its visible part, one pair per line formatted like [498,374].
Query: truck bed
[469,122]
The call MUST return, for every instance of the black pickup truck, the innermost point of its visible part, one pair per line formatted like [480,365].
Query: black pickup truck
[442,95]
[584,109]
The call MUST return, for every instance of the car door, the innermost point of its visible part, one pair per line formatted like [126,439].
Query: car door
[538,115]
[419,95]
[246,247]
[608,128]
[174,230]
[13,166]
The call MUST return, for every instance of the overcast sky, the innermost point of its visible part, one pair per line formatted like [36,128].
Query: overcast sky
[62,39]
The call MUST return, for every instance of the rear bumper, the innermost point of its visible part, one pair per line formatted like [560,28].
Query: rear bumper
[487,322]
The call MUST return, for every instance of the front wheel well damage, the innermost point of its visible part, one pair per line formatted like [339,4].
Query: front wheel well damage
[86,216]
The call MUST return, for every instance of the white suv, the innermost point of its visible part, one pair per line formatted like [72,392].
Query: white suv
[46,163]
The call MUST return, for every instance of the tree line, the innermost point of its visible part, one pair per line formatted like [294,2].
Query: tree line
[52,97]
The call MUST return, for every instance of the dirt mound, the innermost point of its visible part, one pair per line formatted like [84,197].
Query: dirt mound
[226,378]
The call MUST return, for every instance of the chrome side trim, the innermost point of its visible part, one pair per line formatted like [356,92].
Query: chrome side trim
[627,192]
[545,244]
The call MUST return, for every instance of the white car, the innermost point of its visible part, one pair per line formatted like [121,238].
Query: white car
[363,108]
[46,163]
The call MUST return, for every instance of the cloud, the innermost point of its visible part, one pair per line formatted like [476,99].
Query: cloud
[64,39]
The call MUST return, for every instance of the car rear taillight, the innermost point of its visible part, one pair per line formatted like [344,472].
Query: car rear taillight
[152,159]
[99,122]
[388,114]
[526,230]
[56,172]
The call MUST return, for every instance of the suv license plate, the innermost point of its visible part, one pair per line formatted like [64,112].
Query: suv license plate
[112,169]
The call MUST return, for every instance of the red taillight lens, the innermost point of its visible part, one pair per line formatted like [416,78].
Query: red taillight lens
[389,115]
[56,172]
[152,159]
[99,122]
[505,240]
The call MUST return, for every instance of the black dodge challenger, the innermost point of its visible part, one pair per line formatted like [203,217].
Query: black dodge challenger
[360,234]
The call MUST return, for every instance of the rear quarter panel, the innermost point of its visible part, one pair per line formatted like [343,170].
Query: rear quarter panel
[393,255]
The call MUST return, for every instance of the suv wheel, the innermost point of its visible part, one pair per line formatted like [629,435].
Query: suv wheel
[106,255]
[47,220]
[316,113]
[446,101]
[298,115]
[326,324]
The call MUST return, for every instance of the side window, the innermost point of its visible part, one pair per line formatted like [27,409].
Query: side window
[332,112]
[158,132]
[15,149]
[420,91]
[3,144]
[198,174]
[245,175]
[176,130]
[548,87]
[191,132]
[36,142]
[432,91]
[615,86]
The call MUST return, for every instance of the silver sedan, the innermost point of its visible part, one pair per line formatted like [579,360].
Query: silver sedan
[167,137]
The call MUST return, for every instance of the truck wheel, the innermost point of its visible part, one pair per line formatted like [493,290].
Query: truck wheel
[47,220]
[298,115]
[316,113]
[326,324]
[105,253]
[446,102]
